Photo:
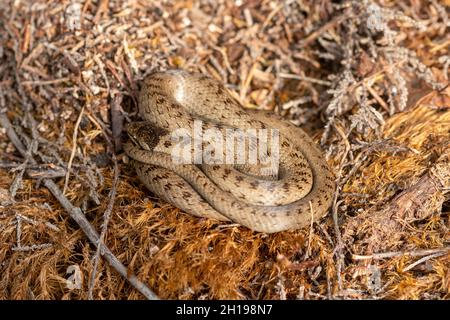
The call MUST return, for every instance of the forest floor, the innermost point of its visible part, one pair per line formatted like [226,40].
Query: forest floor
[368,80]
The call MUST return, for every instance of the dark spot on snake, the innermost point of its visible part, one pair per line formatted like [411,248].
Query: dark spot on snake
[186,194]
[229,101]
[219,90]
[174,106]
[160,100]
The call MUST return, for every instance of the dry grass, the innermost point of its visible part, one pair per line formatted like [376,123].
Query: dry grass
[371,89]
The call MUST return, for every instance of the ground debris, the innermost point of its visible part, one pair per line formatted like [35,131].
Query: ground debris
[366,78]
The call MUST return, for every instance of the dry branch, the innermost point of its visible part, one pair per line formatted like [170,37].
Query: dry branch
[77,215]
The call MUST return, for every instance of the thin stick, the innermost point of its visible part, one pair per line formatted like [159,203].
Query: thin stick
[339,243]
[335,206]
[327,26]
[106,217]
[271,15]
[12,135]
[304,78]
[74,147]
[377,97]
[431,256]
[36,223]
[45,82]
[77,215]
[384,255]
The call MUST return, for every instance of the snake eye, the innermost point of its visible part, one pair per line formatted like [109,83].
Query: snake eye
[138,134]
[144,135]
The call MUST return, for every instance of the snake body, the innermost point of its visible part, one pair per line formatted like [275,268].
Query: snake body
[299,191]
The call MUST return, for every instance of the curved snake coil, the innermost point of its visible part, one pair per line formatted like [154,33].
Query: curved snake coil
[289,198]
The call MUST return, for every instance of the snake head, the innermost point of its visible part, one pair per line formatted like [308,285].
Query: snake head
[145,135]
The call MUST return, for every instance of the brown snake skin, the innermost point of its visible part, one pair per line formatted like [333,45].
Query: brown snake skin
[302,189]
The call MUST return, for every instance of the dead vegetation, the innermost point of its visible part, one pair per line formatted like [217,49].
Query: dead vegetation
[368,79]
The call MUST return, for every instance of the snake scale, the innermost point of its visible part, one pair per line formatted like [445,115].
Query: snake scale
[288,198]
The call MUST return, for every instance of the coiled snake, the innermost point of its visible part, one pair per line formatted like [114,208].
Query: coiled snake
[298,190]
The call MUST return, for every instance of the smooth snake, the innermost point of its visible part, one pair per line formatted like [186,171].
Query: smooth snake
[301,190]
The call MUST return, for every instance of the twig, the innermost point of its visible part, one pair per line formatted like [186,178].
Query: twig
[384,255]
[45,82]
[339,244]
[17,182]
[106,217]
[77,215]
[102,71]
[4,121]
[74,147]
[294,103]
[272,14]
[431,256]
[50,174]
[305,78]
[36,223]
[317,33]
[377,97]
[32,247]
[116,121]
